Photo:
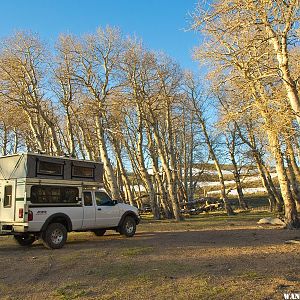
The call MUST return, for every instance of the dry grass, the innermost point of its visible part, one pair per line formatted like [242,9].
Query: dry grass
[204,257]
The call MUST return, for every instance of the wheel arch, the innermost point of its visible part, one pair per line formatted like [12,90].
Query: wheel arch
[58,218]
[130,214]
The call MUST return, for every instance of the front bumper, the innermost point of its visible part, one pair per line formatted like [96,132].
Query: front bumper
[138,219]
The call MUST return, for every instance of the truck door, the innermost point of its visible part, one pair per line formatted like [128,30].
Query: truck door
[107,212]
[89,216]
[7,201]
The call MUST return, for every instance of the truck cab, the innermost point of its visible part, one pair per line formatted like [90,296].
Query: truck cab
[101,212]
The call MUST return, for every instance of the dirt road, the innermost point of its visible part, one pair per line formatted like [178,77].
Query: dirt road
[247,262]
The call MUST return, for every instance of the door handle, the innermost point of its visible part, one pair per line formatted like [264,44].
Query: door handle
[99,208]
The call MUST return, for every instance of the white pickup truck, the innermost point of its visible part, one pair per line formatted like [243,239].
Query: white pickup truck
[43,197]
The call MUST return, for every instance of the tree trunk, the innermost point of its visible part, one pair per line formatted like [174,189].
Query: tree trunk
[144,173]
[111,178]
[5,140]
[280,45]
[16,141]
[227,205]
[292,158]
[170,180]
[294,182]
[80,145]
[36,131]
[53,136]
[251,142]
[124,176]
[291,216]
[85,143]
[278,197]
[70,133]
[171,153]
[158,179]
[242,202]
[163,195]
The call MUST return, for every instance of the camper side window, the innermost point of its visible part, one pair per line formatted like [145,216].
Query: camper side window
[7,196]
[53,194]
[49,168]
[85,172]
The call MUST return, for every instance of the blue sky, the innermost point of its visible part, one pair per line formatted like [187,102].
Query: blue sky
[160,23]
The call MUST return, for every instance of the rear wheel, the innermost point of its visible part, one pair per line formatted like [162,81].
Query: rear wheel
[128,226]
[99,232]
[25,239]
[55,236]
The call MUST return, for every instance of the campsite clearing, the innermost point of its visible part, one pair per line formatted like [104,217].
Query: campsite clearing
[203,257]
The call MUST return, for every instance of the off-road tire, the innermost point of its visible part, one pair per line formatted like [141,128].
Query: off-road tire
[25,239]
[99,232]
[55,236]
[128,227]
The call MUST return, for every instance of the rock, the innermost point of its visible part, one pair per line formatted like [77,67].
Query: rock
[292,242]
[264,221]
[270,220]
[277,221]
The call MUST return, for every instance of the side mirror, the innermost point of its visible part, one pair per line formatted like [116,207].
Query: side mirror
[115,202]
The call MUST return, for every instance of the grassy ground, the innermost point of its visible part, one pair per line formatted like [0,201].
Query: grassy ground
[257,202]
[203,257]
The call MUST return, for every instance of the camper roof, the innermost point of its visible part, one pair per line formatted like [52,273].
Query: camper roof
[36,165]
[47,155]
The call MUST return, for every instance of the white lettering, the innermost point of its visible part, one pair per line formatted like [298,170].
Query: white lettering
[293,296]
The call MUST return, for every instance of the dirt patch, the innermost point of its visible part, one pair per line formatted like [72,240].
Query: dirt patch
[220,261]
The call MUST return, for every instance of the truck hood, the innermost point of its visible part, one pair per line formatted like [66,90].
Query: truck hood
[126,207]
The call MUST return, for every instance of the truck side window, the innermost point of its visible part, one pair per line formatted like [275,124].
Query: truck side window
[102,199]
[7,196]
[87,198]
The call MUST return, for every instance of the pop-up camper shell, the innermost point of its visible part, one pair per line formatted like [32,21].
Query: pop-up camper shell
[36,180]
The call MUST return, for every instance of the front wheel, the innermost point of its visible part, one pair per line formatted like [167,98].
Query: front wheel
[24,239]
[55,236]
[128,227]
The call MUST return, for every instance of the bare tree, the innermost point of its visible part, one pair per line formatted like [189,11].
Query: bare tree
[245,56]
[198,100]
[22,80]
[96,57]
